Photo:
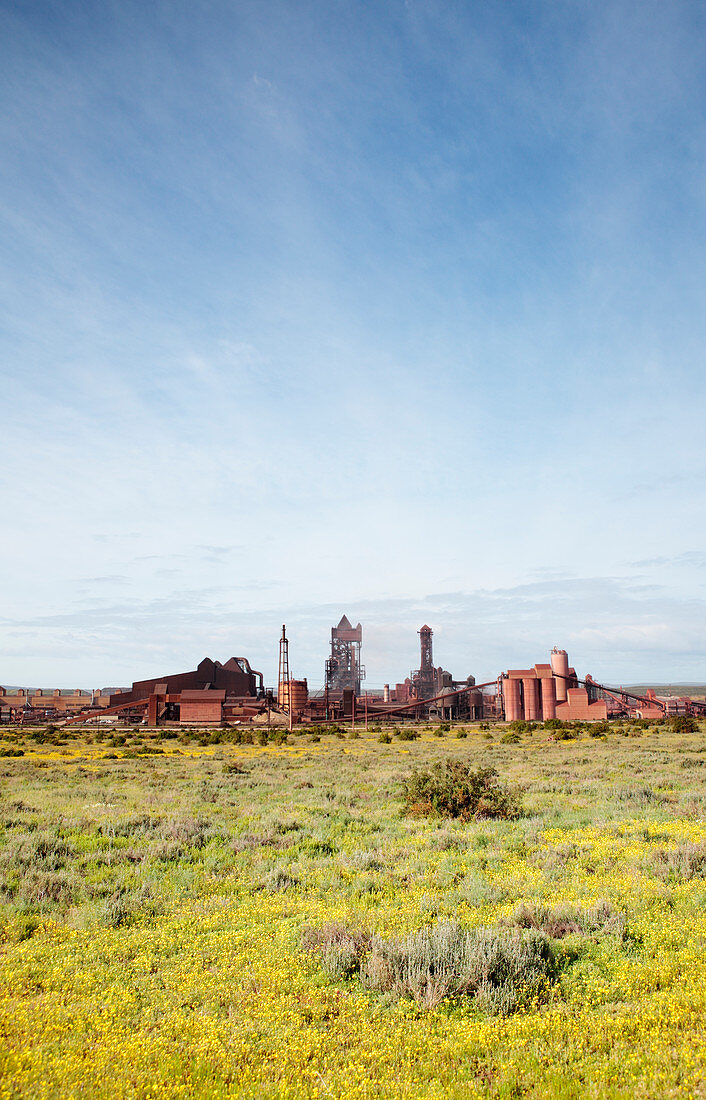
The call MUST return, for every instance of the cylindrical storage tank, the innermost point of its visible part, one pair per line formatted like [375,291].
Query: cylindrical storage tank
[283,695]
[448,702]
[548,691]
[560,668]
[530,685]
[386,693]
[511,695]
[475,703]
[299,695]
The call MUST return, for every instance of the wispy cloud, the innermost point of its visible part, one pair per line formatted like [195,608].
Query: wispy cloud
[340,308]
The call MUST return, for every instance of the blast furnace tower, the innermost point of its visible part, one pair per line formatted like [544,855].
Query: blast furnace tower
[344,671]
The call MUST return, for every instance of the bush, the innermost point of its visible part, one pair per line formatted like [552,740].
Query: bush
[280,880]
[520,726]
[453,789]
[684,723]
[408,735]
[510,739]
[341,950]
[384,738]
[501,970]
[687,861]
[566,920]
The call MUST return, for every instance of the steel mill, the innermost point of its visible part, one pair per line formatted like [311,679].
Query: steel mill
[215,694]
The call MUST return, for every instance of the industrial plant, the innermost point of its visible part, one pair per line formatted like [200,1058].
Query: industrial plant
[215,694]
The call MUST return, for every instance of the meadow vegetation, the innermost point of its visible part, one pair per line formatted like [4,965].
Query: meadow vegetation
[229,913]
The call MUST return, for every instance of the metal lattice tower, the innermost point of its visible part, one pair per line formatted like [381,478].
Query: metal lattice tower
[283,674]
[344,671]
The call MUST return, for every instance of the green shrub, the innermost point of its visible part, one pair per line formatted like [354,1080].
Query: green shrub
[461,734]
[566,920]
[384,738]
[340,949]
[687,861]
[501,970]
[408,735]
[510,739]
[684,723]
[454,789]
[280,880]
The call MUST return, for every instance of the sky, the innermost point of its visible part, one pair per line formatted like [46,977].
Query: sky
[389,308]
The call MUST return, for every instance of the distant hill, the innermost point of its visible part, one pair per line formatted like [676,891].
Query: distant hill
[668,689]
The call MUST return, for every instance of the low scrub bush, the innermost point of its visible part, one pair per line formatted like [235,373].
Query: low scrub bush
[684,723]
[567,920]
[280,880]
[685,862]
[519,725]
[500,969]
[341,950]
[454,789]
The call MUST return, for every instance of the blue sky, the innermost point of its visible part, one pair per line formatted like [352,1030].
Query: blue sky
[393,308]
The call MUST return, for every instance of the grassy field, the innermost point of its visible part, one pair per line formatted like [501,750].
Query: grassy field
[169,909]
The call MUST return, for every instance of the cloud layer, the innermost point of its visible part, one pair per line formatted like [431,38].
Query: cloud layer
[396,308]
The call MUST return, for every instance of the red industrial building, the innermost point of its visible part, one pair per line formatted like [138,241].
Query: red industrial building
[549,691]
[208,695]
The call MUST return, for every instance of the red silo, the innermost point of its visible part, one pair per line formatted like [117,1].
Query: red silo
[548,691]
[530,685]
[513,705]
[560,667]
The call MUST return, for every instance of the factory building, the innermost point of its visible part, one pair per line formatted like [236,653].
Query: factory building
[47,704]
[550,691]
[207,695]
